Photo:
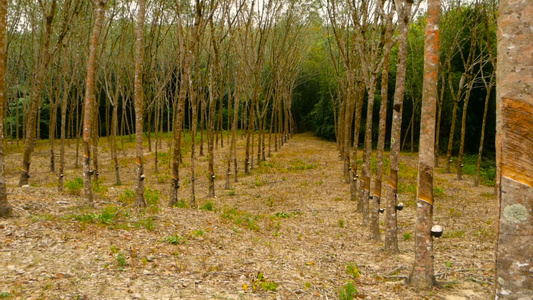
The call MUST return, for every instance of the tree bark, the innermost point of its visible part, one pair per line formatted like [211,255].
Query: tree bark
[5,208]
[514,158]
[139,106]
[89,103]
[391,196]
[422,274]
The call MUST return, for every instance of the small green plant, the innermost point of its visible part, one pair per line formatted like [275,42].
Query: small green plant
[181,204]
[341,223]
[74,186]
[121,260]
[147,223]
[407,236]
[114,249]
[448,264]
[283,215]
[163,178]
[241,218]
[308,285]
[152,199]
[438,191]
[127,197]
[347,292]
[231,193]
[99,187]
[175,239]
[198,233]
[264,284]
[352,270]
[208,206]
[5,295]
[269,202]
[258,182]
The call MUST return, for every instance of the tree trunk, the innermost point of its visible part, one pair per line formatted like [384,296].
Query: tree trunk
[35,95]
[89,103]
[139,106]
[5,208]
[514,158]
[382,124]
[422,274]
[213,94]
[391,196]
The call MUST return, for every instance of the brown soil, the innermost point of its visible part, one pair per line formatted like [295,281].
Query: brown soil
[292,222]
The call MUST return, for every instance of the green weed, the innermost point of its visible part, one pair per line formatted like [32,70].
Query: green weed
[175,239]
[181,204]
[152,199]
[121,260]
[208,206]
[74,186]
[407,236]
[352,270]
[127,197]
[348,292]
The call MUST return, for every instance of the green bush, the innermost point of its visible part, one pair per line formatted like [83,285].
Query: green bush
[74,186]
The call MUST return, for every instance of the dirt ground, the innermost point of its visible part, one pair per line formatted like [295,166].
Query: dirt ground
[287,231]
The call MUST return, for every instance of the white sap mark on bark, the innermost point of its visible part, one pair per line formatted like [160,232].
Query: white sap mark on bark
[516,213]
[506,292]
[522,265]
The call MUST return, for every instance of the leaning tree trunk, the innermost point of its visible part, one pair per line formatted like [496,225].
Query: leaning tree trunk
[391,196]
[5,208]
[35,95]
[89,103]
[139,109]
[422,274]
[483,125]
[514,158]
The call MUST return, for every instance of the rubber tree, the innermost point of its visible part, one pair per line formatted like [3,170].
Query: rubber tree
[88,121]
[422,274]
[5,208]
[514,158]
[139,106]
[46,53]
[391,192]
[489,20]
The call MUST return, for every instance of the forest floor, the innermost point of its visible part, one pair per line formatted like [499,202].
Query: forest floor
[287,231]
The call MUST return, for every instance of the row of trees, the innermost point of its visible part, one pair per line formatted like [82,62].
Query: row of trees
[154,67]
[227,65]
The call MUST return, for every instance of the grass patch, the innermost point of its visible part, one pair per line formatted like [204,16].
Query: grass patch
[208,206]
[127,197]
[108,216]
[175,239]
[181,204]
[241,218]
[152,199]
[454,234]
